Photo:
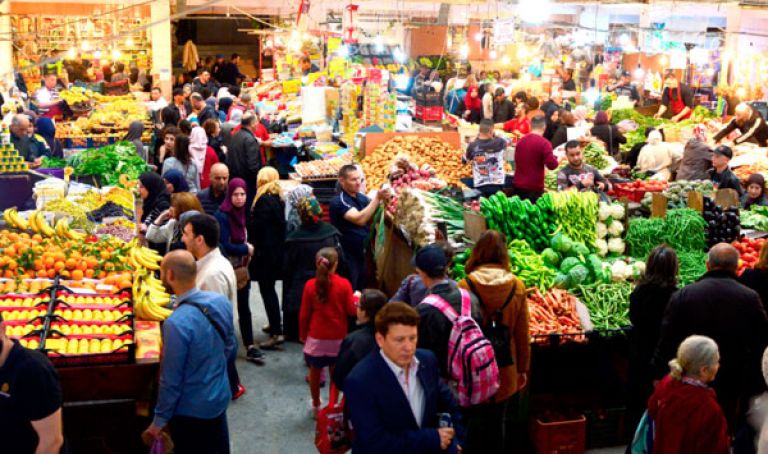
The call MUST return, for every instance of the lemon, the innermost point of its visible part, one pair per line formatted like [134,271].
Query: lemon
[87,329]
[77,314]
[87,315]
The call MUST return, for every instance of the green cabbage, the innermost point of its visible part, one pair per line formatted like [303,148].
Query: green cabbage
[578,274]
[569,263]
[561,243]
[550,257]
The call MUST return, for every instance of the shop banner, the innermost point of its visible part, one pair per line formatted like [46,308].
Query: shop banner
[504,31]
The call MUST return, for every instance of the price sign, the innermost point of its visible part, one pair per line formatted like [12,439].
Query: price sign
[291,86]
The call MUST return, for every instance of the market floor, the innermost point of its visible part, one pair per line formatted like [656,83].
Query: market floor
[273,415]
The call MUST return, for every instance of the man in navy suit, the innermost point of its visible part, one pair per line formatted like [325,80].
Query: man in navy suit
[395,397]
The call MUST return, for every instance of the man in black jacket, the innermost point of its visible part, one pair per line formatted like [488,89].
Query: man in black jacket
[718,306]
[435,328]
[244,156]
[750,124]
[720,173]
[211,197]
[503,109]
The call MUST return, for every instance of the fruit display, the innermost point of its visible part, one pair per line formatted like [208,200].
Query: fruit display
[109,163]
[636,190]
[420,150]
[11,161]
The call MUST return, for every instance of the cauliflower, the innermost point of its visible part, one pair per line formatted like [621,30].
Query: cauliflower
[602,247]
[604,212]
[620,271]
[616,229]
[640,267]
[602,230]
[616,245]
[617,211]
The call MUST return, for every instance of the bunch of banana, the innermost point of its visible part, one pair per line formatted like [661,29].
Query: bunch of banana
[13,219]
[39,225]
[150,298]
[141,257]
[63,230]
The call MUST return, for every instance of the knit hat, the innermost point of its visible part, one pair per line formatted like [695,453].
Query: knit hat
[310,210]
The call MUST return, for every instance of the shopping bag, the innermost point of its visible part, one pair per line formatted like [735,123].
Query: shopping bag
[158,446]
[333,434]
[642,443]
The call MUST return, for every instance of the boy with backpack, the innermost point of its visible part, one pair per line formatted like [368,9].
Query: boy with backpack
[450,320]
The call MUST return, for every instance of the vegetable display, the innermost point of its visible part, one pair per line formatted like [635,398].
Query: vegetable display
[755,218]
[723,225]
[405,174]
[520,219]
[608,304]
[573,262]
[576,215]
[529,266]
[677,193]
[693,264]
[595,155]
[749,252]
[553,312]
[418,213]
[109,162]
[610,229]
[683,229]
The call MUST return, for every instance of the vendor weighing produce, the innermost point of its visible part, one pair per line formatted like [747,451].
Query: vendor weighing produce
[624,87]
[676,100]
[750,124]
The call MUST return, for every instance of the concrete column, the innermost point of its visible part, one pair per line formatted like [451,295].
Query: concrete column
[162,54]
[6,44]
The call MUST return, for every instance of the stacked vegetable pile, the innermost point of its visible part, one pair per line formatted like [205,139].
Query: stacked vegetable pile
[418,213]
[594,155]
[683,229]
[677,193]
[530,266]
[553,312]
[749,252]
[610,228]
[576,215]
[755,218]
[700,114]
[608,304]
[573,263]
[405,174]
[520,219]
[723,225]
[107,162]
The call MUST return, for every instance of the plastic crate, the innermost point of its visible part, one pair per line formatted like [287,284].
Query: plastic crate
[605,427]
[560,437]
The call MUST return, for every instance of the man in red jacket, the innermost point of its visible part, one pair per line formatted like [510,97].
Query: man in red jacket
[532,154]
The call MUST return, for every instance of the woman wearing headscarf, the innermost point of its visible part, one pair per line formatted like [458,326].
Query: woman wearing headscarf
[224,104]
[168,225]
[292,205]
[697,156]
[135,130]
[657,159]
[46,129]
[175,181]
[266,229]
[202,154]
[755,193]
[227,128]
[155,200]
[608,133]
[301,247]
[233,240]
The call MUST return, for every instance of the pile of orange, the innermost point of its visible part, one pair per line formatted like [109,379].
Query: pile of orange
[26,286]
[25,256]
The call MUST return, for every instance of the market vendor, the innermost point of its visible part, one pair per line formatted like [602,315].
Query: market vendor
[721,174]
[307,67]
[577,174]
[749,123]
[521,124]
[657,158]
[486,153]
[624,87]
[503,108]
[755,195]
[29,148]
[351,211]
[47,98]
[676,100]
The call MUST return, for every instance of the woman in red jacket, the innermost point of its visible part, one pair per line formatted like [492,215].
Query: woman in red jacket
[473,105]
[685,412]
[325,305]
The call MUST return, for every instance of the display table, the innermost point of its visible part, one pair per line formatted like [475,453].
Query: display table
[16,189]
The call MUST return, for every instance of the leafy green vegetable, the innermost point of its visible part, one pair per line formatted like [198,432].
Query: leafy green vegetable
[550,257]
[683,229]
[569,263]
[53,163]
[579,250]
[578,274]
[109,162]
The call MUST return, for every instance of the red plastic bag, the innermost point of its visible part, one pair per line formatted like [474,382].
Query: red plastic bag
[333,434]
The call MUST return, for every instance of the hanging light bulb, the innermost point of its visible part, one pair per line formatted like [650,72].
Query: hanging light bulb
[97,55]
[129,42]
[492,54]
[116,54]
[464,51]
[479,36]
[639,72]
[741,93]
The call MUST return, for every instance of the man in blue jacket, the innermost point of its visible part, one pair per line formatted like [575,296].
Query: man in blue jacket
[198,338]
[395,398]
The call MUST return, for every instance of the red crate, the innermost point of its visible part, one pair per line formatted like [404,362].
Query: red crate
[433,113]
[420,113]
[560,437]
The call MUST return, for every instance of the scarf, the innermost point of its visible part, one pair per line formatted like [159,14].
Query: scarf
[198,145]
[225,104]
[471,103]
[177,180]
[267,182]
[155,186]
[235,215]
[293,221]
[310,210]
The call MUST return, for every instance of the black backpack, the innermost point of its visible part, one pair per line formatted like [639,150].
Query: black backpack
[495,331]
